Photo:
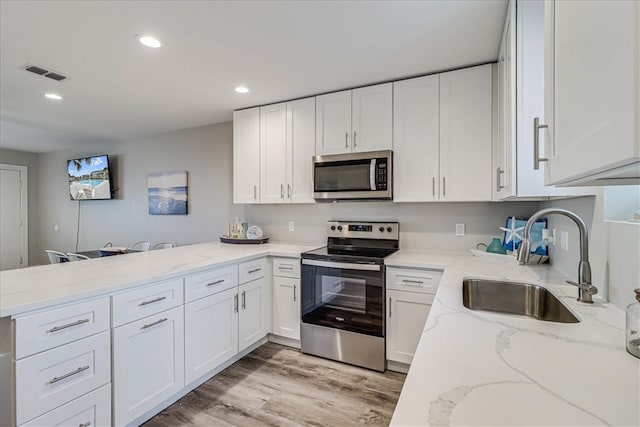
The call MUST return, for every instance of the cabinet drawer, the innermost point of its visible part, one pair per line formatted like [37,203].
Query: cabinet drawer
[210,282]
[286,267]
[52,378]
[413,280]
[92,409]
[146,301]
[52,328]
[252,270]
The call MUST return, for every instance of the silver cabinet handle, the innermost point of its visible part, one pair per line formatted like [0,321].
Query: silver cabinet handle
[70,374]
[355,134]
[536,143]
[154,323]
[87,424]
[255,192]
[255,270]
[68,325]
[389,307]
[419,282]
[444,186]
[216,282]
[282,191]
[288,191]
[498,173]
[346,140]
[244,300]
[143,303]
[433,186]
[295,296]
[284,267]
[235,303]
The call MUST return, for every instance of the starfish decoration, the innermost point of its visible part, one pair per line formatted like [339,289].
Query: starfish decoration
[513,232]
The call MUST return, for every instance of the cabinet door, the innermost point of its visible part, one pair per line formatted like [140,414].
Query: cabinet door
[301,147]
[406,315]
[253,323]
[333,123]
[416,120]
[273,153]
[246,156]
[210,333]
[286,307]
[465,134]
[372,118]
[592,59]
[148,363]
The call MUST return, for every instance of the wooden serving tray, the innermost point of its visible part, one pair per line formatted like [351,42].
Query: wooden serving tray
[226,239]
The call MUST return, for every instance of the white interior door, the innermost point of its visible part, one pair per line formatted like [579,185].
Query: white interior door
[13,217]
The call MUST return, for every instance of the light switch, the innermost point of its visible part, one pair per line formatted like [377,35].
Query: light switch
[291,226]
[459,229]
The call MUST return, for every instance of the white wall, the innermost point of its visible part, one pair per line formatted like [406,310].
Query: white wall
[204,152]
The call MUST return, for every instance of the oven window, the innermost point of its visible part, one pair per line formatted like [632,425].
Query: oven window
[343,176]
[347,299]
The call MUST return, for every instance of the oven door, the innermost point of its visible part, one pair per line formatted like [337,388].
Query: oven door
[343,296]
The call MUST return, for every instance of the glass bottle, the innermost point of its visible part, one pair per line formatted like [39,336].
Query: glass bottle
[633,326]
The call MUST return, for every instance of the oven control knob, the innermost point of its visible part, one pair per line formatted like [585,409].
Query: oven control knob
[389,229]
[339,228]
[381,229]
[333,228]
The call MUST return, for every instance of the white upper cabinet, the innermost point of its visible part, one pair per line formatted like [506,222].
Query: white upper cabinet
[246,156]
[592,92]
[273,149]
[465,134]
[416,139]
[355,120]
[521,70]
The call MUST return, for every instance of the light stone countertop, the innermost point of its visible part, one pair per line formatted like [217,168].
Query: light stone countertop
[33,288]
[480,368]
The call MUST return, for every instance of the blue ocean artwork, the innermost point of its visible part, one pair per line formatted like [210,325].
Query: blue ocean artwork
[514,233]
[165,197]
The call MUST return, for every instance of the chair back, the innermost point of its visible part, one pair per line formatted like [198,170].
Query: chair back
[143,245]
[76,257]
[108,245]
[164,245]
[56,257]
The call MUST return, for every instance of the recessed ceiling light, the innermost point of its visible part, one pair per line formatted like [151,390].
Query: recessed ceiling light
[148,40]
[241,89]
[51,95]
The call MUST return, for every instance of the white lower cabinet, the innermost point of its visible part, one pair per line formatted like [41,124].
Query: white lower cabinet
[210,332]
[89,410]
[148,363]
[253,321]
[286,307]
[410,294]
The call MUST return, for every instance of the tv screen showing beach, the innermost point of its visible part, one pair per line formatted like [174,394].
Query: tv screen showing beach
[89,178]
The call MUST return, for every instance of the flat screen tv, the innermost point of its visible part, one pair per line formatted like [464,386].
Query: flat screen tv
[90,178]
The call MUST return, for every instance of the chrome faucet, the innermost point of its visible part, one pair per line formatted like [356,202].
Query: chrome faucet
[585,289]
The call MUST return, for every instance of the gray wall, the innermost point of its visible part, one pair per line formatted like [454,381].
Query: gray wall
[204,152]
[30,160]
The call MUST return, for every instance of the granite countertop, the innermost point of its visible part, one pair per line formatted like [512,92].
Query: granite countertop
[480,368]
[42,286]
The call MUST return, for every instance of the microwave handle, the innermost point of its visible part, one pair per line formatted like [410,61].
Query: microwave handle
[372,175]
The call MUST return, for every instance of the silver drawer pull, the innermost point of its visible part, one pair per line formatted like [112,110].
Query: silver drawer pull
[255,270]
[68,325]
[282,267]
[419,282]
[70,374]
[143,303]
[295,293]
[87,424]
[217,282]
[154,323]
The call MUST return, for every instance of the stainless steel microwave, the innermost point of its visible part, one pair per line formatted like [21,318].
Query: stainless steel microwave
[353,176]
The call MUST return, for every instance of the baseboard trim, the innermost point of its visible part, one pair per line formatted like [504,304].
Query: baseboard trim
[398,366]
[289,342]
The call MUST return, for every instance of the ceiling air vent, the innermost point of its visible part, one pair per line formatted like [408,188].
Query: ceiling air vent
[44,72]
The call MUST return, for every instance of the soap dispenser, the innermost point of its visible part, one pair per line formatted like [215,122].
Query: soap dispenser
[496,246]
[633,326]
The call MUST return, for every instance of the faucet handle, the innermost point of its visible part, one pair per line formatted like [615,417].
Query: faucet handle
[587,287]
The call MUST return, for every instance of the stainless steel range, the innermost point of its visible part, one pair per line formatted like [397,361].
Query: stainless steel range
[343,293]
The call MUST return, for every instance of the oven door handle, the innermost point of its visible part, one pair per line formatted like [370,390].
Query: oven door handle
[344,265]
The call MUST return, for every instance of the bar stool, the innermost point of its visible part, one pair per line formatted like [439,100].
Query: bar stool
[164,245]
[76,257]
[56,257]
[143,246]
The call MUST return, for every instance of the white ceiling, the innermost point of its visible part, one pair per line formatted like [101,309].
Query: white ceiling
[118,89]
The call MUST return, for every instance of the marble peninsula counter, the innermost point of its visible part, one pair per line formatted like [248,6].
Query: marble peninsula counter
[33,288]
[480,368]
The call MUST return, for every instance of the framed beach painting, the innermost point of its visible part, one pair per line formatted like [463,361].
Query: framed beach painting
[168,193]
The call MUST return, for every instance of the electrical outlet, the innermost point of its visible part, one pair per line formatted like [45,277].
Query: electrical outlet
[553,237]
[56,228]
[564,240]
[291,226]
[459,229]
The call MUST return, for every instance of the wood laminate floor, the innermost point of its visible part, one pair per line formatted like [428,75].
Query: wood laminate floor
[279,386]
